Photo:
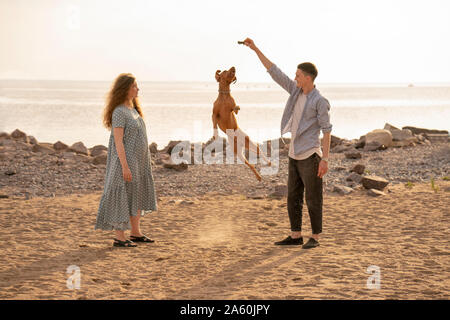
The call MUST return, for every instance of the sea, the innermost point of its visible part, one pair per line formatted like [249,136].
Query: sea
[71,111]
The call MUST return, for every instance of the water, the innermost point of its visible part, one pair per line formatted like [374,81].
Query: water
[71,111]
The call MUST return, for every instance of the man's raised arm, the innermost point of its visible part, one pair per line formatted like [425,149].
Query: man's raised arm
[266,62]
[277,75]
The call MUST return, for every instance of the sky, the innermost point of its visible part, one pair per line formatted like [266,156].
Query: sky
[350,41]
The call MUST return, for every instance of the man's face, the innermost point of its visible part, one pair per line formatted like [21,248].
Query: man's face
[301,78]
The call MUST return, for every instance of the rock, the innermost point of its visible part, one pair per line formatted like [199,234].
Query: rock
[17,134]
[170,146]
[4,135]
[153,147]
[68,155]
[361,142]
[415,130]
[82,158]
[178,167]
[374,182]
[380,136]
[375,193]
[374,146]
[32,140]
[353,155]
[79,148]
[399,135]
[343,190]
[389,127]
[437,137]
[10,172]
[280,191]
[101,158]
[405,143]
[42,149]
[354,177]
[358,168]
[341,148]
[58,146]
[4,196]
[97,150]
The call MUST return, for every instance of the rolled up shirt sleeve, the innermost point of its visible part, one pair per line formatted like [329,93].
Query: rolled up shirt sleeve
[323,115]
[282,79]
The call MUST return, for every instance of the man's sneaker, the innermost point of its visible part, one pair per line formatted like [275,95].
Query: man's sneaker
[312,243]
[290,241]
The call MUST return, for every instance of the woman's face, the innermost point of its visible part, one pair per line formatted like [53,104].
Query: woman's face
[133,92]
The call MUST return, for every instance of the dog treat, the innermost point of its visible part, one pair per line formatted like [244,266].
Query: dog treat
[240,42]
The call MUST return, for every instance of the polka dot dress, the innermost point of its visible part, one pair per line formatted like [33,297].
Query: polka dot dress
[122,199]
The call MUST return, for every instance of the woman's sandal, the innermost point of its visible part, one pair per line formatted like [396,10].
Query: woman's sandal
[126,243]
[144,238]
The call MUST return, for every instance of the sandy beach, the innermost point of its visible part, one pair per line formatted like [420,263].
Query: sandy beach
[215,230]
[221,247]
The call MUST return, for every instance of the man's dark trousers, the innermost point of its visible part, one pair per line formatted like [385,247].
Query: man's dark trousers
[303,179]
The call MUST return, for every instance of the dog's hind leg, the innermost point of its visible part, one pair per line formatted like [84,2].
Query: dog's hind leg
[253,147]
[240,153]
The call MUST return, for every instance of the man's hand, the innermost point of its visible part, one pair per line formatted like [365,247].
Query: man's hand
[323,168]
[249,43]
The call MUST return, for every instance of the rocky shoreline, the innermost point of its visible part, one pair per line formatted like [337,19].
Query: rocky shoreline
[29,168]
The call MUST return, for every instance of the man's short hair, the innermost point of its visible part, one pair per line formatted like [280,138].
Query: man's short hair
[308,68]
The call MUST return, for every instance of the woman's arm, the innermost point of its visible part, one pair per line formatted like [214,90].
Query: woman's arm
[118,140]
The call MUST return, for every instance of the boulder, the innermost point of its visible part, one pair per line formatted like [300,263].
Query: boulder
[341,148]
[58,146]
[4,135]
[437,137]
[42,149]
[374,182]
[79,148]
[178,167]
[375,193]
[32,140]
[97,150]
[280,191]
[19,135]
[415,130]
[380,136]
[153,148]
[374,146]
[354,177]
[358,168]
[343,190]
[353,155]
[400,135]
[101,158]
[360,143]
[170,146]
[390,127]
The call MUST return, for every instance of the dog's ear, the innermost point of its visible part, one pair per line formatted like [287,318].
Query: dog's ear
[217,75]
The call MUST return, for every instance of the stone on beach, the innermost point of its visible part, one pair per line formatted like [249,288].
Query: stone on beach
[380,136]
[375,193]
[60,146]
[80,148]
[20,135]
[353,154]
[42,149]
[343,190]
[354,177]
[97,150]
[374,182]
[279,191]
[358,168]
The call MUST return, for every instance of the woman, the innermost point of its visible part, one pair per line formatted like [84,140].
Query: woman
[129,191]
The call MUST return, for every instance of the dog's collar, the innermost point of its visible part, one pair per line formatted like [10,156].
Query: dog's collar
[224,91]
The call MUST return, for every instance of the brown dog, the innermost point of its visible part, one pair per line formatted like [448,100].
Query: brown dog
[224,116]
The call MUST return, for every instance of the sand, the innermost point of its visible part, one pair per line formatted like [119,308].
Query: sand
[221,247]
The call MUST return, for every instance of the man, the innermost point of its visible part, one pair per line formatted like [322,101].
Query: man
[305,114]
